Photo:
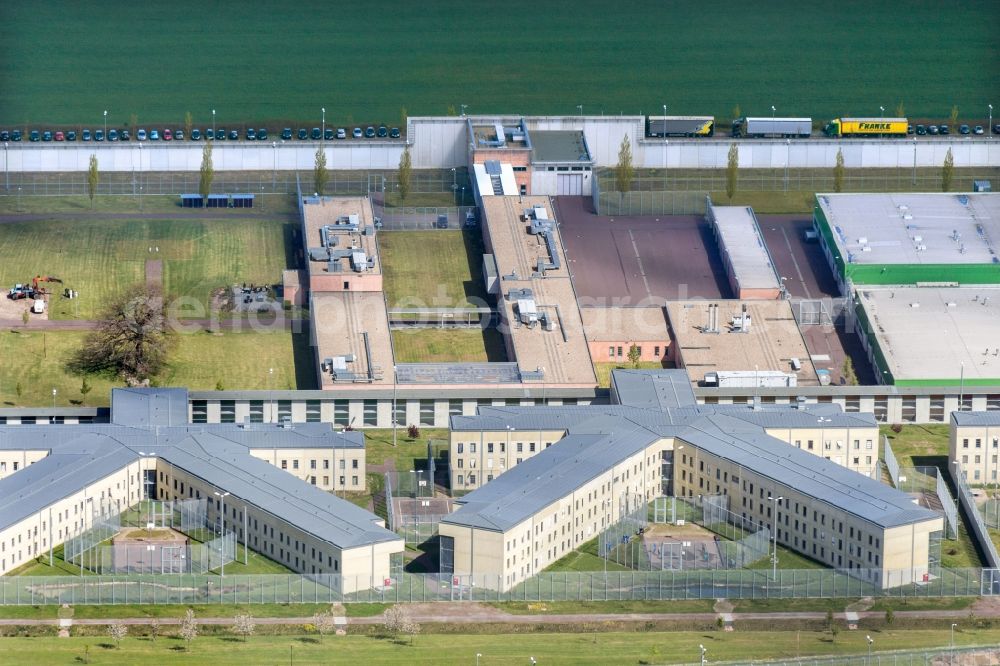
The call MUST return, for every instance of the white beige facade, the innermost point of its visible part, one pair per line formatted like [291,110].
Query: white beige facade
[974,445]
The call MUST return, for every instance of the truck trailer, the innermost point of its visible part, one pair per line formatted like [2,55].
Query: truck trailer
[895,127]
[690,126]
[784,128]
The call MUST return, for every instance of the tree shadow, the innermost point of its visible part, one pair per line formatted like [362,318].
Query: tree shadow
[312,640]
[107,646]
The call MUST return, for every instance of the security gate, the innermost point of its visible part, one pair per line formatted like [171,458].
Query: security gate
[569,184]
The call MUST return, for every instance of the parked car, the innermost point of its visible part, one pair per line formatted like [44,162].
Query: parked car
[234,135]
[996,130]
[47,135]
[220,134]
[251,134]
[112,135]
[341,133]
[909,129]
[124,135]
[303,134]
[316,134]
[370,132]
[71,135]
[60,136]
[168,135]
[196,134]
[921,130]
[262,134]
[140,135]
[34,136]
[4,135]
[179,135]
[15,135]
[383,131]
[394,133]
[154,135]
[209,134]
[357,133]
[964,129]
[328,133]
[932,129]
[978,129]
[85,135]
[943,129]
[98,135]
[442,222]
[286,134]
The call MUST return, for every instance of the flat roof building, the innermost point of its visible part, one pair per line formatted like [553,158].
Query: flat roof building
[759,340]
[149,451]
[748,263]
[657,440]
[612,331]
[943,336]
[910,238]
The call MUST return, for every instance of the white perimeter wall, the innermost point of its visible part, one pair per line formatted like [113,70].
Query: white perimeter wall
[443,143]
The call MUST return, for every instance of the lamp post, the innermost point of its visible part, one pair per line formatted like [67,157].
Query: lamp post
[989,126]
[322,135]
[270,393]
[105,123]
[478,655]
[395,417]
[454,183]
[774,557]
[6,174]
[274,165]
[222,501]
[213,123]
[772,111]
[580,108]
[882,111]
[788,150]
[463,109]
[953,625]
[914,160]
[54,398]
[961,387]
[703,651]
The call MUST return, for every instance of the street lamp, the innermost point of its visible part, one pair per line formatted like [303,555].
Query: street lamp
[270,392]
[222,500]
[870,641]
[395,416]
[580,107]
[54,398]
[213,123]
[322,136]
[703,651]
[953,625]
[105,122]
[961,387]
[478,655]
[274,164]
[463,109]
[989,126]
[6,174]
[772,111]
[882,111]
[774,558]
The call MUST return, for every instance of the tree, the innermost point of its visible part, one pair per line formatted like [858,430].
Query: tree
[413,432]
[131,338]
[117,631]
[634,355]
[410,627]
[188,124]
[624,171]
[838,172]
[848,373]
[189,628]
[954,114]
[320,174]
[154,629]
[900,110]
[93,178]
[85,388]
[402,117]
[207,171]
[451,110]
[947,171]
[324,623]
[403,175]
[219,386]
[244,625]
[737,112]
[732,170]
[393,619]
[890,617]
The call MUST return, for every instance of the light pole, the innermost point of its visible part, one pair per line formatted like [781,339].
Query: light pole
[270,393]
[788,150]
[478,655]
[454,183]
[105,123]
[274,165]
[882,111]
[213,123]
[914,160]
[580,107]
[6,174]
[322,135]
[989,126]
[953,625]
[463,109]
[703,651]
[961,387]
[395,416]
[54,398]
[774,557]
[222,500]
[870,641]
[772,111]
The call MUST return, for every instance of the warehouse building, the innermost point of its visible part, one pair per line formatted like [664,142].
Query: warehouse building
[656,440]
[974,445]
[931,336]
[748,263]
[56,480]
[910,238]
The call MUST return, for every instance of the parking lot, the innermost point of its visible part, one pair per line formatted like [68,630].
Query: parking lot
[628,260]
[801,262]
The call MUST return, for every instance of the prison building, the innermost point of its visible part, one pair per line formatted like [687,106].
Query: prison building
[974,445]
[748,263]
[56,480]
[655,440]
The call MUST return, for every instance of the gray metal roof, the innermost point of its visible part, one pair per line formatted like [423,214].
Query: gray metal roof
[976,418]
[149,406]
[220,454]
[598,437]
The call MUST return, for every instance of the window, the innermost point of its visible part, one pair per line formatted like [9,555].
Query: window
[461,447]
[455,407]
[461,480]
[284,464]
[909,411]
[371,412]
[227,411]
[400,412]
[619,352]
[312,411]
[489,448]
[656,351]
[427,412]
[341,413]
[611,352]
[295,464]
[354,480]
[256,411]
[199,411]
[284,411]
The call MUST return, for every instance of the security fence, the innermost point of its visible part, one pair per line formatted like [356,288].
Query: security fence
[889,457]
[930,486]
[423,218]
[975,524]
[414,511]
[940,656]
[989,511]
[561,586]
[608,201]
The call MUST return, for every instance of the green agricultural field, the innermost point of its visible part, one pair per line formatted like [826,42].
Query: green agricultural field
[432,269]
[280,61]
[98,257]
[198,361]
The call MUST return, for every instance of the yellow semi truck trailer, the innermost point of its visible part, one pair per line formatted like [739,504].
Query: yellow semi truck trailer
[895,127]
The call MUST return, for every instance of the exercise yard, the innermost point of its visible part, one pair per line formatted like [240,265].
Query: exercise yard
[98,257]
[448,345]
[424,269]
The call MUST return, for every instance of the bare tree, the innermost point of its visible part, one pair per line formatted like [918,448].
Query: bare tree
[131,338]
[954,114]
[900,110]
[624,170]
[404,173]
[117,631]
[93,178]
[324,623]
[320,175]
[244,625]
[732,170]
[189,628]
[154,629]
[188,124]
[838,172]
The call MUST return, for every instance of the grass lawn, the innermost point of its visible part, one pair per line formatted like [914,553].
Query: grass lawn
[604,370]
[426,269]
[787,559]
[83,612]
[547,648]
[448,345]
[407,454]
[919,445]
[199,360]
[607,66]
[618,607]
[585,558]
[98,257]
[10,204]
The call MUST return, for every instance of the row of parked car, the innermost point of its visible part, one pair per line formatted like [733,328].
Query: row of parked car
[217,134]
[943,129]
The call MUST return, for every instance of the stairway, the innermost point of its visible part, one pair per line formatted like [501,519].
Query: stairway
[497,185]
